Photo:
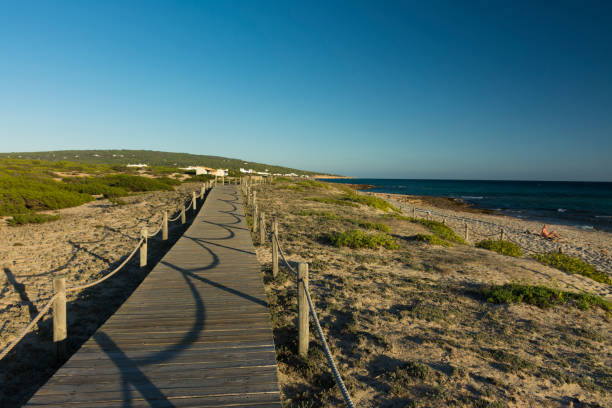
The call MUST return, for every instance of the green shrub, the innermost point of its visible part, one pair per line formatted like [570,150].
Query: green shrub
[432,240]
[333,201]
[359,239]
[374,226]
[440,230]
[323,214]
[370,201]
[501,247]
[313,184]
[542,296]
[32,218]
[574,265]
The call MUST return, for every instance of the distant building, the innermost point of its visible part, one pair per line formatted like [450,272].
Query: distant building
[139,165]
[199,170]
[245,171]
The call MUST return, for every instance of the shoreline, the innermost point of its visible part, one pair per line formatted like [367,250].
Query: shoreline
[594,246]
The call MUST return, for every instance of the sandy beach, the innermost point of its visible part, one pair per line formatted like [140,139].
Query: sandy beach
[593,246]
[408,327]
[83,245]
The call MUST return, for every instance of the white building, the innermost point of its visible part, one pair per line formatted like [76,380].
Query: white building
[139,165]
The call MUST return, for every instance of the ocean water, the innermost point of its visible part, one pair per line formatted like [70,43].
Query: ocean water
[587,205]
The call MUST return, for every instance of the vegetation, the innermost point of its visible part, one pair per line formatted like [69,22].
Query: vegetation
[542,296]
[359,239]
[501,247]
[441,230]
[573,265]
[353,200]
[374,226]
[160,160]
[333,201]
[313,184]
[34,218]
[370,201]
[432,240]
[27,186]
[328,215]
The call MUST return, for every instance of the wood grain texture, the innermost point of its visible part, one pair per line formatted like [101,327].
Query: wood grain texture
[196,332]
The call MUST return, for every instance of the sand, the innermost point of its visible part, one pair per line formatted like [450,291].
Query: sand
[410,326]
[591,245]
[86,243]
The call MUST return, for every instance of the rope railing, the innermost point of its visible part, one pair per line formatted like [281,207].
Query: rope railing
[303,286]
[142,245]
[313,313]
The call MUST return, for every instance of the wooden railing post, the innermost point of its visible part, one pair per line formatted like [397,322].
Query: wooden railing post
[444,220]
[262,229]
[202,192]
[303,329]
[413,212]
[165,226]
[60,330]
[274,248]
[194,202]
[467,232]
[254,217]
[143,248]
[183,215]
[501,235]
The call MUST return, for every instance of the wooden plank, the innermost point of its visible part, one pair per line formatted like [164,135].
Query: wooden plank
[196,332]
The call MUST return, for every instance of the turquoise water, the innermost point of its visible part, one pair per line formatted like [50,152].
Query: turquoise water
[583,204]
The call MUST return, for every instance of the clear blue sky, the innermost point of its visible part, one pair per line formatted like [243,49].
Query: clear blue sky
[413,89]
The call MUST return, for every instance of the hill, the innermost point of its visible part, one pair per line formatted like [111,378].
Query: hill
[152,158]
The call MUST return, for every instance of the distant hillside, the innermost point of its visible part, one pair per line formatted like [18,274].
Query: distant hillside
[152,158]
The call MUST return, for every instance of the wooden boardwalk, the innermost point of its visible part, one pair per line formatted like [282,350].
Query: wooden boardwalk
[196,332]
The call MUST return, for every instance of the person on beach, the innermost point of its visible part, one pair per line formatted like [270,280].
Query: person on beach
[552,235]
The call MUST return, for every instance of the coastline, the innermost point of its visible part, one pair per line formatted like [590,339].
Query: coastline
[593,246]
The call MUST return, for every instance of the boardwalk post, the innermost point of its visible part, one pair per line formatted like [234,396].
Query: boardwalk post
[60,330]
[165,226]
[195,203]
[413,212]
[183,215]
[202,191]
[215,179]
[501,235]
[143,248]
[254,217]
[274,248]
[444,220]
[303,334]
[262,228]
[467,233]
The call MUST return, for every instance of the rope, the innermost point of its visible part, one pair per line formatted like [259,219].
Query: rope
[330,359]
[88,285]
[29,327]
[282,254]
[156,232]
[49,303]
[189,206]
[175,218]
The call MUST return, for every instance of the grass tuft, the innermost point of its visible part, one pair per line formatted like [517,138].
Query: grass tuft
[431,240]
[374,226]
[573,265]
[441,230]
[32,218]
[359,239]
[542,296]
[501,247]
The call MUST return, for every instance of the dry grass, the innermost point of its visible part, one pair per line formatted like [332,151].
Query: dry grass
[410,327]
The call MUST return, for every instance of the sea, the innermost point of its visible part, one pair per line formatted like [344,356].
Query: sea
[586,205]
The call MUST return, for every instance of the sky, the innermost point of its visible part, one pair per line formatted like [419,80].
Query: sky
[409,89]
